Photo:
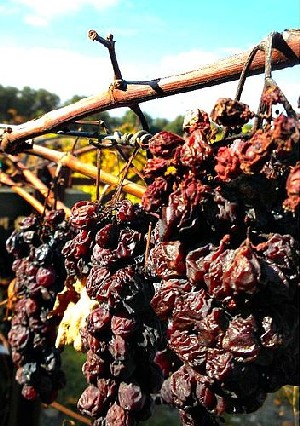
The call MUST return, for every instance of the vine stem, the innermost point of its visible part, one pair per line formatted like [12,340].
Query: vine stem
[98,162]
[245,72]
[109,43]
[122,178]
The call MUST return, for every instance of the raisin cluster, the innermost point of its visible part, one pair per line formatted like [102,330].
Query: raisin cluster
[225,250]
[39,276]
[122,334]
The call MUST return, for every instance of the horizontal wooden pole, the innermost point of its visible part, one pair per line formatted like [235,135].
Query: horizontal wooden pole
[228,69]
[57,406]
[38,185]
[5,180]
[86,169]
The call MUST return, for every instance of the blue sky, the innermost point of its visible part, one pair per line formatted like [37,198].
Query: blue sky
[44,44]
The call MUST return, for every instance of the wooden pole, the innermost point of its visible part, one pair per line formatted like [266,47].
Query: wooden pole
[38,185]
[86,169]
[5,180]
[228,69]
[70,413]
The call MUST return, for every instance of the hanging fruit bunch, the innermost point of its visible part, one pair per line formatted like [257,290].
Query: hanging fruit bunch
[39,270]
[121,333]
[225,251]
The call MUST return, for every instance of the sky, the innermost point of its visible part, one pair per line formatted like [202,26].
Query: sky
[44,44]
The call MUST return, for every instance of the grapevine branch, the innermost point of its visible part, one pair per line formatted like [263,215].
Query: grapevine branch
[109,42]
[118,83]
[287,54]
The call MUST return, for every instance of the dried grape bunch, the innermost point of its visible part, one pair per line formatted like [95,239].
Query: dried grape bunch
[269,151]
[230,113]
[256,173]
[77,251]
[293,189]
[122,332]
[173,159]
[40,274]
[272,95]
[196,120]
[225,252]
[160,171]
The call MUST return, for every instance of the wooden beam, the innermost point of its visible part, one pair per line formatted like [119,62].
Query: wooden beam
[5,180]
[38,185]
[86,169]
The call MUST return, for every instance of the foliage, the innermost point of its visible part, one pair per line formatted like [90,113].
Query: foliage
[289,396]
[19,105]
[75,382]
[112,161]
[175,126]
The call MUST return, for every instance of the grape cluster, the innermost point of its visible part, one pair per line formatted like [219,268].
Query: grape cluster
[225,249]
[39,275]
[122,334]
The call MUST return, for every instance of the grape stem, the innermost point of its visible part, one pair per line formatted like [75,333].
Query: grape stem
[118,82]
[147,249]
[245,71]
[137,110]
[124,172]
[274,40]
[35,182]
